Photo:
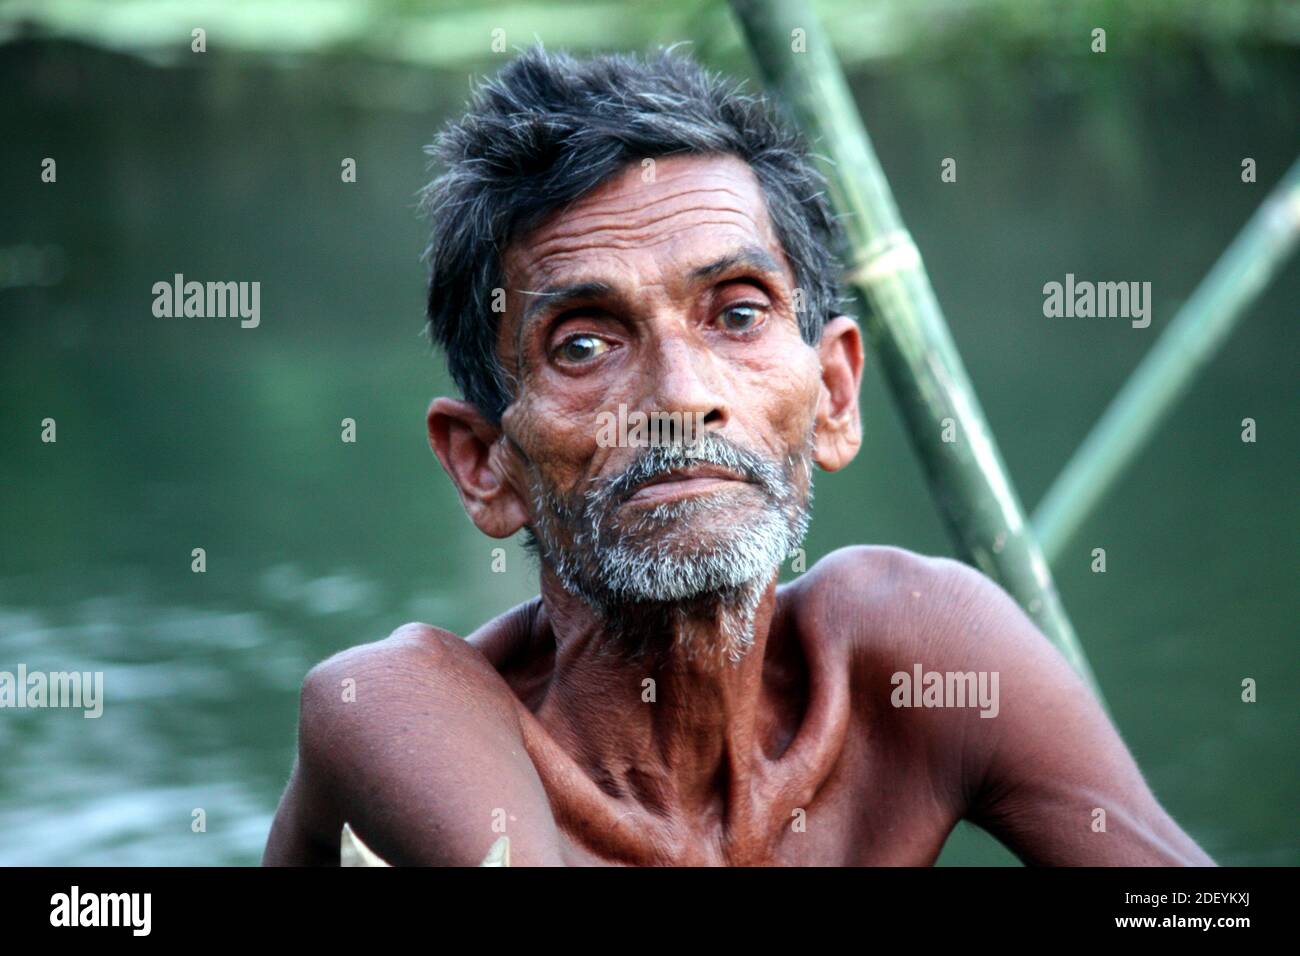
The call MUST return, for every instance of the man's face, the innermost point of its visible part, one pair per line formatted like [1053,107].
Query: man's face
[663,291]
[664,296]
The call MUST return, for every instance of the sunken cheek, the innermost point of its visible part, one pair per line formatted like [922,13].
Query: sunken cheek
[775,401]
[554,422]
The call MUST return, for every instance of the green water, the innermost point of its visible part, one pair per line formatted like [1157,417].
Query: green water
[175,434]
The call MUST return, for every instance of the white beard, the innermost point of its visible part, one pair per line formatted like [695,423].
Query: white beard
[661,568]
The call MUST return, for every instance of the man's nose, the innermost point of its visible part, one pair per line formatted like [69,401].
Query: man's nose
[686,381]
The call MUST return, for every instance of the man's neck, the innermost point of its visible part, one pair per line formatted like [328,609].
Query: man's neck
[649,702]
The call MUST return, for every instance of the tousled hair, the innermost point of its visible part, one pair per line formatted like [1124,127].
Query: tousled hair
[548,128]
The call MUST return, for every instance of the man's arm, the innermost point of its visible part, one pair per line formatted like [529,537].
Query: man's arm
[414,742]
[1049,775]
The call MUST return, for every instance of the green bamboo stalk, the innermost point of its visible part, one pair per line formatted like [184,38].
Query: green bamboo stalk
[967,477]
[1196,332]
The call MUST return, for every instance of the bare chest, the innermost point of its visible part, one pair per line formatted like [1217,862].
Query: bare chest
[869,810]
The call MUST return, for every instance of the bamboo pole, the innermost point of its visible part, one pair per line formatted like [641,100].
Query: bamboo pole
[1196,332]
[967,477]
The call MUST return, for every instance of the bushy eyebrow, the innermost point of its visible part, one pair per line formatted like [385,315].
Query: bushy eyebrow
[557,297]
[754,257]
[554,298]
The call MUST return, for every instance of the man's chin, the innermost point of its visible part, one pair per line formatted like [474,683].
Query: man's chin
[714,554]
[672,586]
[686,542]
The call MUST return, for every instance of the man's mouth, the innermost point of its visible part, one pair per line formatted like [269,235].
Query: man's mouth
[684,482]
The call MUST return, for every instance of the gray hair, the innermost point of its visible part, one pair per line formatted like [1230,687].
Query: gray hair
[549,128]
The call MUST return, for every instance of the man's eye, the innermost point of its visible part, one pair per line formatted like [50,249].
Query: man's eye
[581,348]
[741,318]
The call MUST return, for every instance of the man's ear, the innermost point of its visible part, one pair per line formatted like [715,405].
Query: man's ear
[470,450]
[839,425]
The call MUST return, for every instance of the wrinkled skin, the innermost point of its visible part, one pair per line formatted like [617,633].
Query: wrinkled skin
[794,755]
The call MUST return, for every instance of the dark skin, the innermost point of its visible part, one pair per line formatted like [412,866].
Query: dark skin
[675,295]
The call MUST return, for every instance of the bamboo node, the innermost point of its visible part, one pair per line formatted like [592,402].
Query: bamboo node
[884,257]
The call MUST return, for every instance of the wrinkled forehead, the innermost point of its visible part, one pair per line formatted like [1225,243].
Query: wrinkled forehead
[655,223]
[652,221]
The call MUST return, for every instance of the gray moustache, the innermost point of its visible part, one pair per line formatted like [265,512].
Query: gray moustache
[659,460]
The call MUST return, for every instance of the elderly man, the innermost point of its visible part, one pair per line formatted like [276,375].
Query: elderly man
[619,235]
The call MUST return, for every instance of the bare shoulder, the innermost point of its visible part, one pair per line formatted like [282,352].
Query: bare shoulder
[417,670]
[897,612]
[897,609]
[414,657]
[944,609]
[412,740]
[882,597]
[417,679]
[877,571]
[949,665]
